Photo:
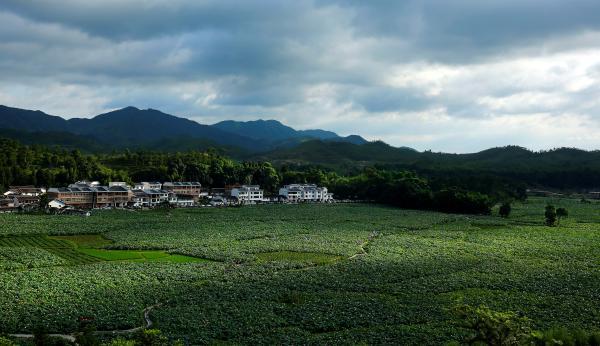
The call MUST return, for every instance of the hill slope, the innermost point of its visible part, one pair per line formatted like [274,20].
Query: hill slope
[279,134]
[135,128]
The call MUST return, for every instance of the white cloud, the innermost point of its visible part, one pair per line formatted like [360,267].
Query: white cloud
[411,77]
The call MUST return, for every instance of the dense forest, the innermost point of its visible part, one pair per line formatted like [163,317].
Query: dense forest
[42,166]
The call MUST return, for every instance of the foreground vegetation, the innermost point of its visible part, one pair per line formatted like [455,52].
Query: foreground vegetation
[306,273]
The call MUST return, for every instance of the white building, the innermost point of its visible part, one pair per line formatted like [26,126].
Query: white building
[305,192]
[181,201]
[247,193]
[28,190]
[84,183]
[149,197]
[118,183]
[147,185]
[56,204]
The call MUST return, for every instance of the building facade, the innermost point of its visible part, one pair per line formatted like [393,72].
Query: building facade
[305,192]
[191,188]
[91,195]
[147,185]
[247,193]
[27,190]
[149,198]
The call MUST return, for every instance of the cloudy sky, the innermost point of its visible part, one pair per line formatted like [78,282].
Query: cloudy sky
[453,76]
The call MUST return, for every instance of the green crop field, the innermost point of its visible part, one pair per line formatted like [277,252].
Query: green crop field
[299,274]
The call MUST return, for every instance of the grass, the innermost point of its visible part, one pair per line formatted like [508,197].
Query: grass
[138,256]
[87,249]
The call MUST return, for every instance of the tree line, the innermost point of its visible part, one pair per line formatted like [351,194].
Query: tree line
[42,166]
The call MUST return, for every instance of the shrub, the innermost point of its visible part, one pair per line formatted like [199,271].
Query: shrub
[563,336]
[550,215]
[6,342]
[505,209]
[560,213]
[490,327]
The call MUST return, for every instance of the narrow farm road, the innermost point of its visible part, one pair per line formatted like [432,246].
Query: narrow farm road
[362,247]
[71,337]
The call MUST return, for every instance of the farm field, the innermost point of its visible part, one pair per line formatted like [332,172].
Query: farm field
[299,274]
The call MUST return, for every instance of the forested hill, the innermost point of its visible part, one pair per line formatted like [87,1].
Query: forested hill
[562,168]
[134,130]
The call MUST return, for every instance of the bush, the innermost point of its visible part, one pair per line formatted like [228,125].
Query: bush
[560,213]
[550,215]
[462,202]
[152,337]
[563,336]
[490,327]
[6,342]
[120,342]
[505,209]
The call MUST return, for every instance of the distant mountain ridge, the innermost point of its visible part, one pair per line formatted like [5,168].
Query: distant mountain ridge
[136,128]
[275,131]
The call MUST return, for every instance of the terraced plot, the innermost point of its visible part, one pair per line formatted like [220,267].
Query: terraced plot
[87,249]
[58,247]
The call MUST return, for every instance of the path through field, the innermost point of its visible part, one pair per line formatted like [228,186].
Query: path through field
[71,337]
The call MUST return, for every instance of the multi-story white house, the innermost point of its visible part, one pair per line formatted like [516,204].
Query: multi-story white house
[247,193]
[149,197]
[305,192]
[182,200]
[147,185]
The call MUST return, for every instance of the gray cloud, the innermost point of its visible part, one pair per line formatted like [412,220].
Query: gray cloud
[403,71]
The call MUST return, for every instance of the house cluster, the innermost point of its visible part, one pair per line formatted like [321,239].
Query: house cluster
[86,194]
[92,194]
[21,197]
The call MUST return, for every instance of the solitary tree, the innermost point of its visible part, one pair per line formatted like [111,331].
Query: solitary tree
[550,215]
[560,213]
[43,203]
[505,209]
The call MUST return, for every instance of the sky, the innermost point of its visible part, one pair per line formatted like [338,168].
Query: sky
[451,76]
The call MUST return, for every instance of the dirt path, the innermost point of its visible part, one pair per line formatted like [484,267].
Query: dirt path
[71,337]
[362,247]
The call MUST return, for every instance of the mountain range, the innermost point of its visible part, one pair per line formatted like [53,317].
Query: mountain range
[135,128]
[269,140]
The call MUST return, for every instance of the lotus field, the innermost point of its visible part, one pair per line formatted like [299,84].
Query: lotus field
[299,274]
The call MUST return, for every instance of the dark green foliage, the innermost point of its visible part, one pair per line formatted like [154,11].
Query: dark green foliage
[488,327]
[6,342]
[458,201]
[43,203]
[505,209]
[566,337]
[86,336]
[151,337]
[518,167]
[550,215]
[561,213]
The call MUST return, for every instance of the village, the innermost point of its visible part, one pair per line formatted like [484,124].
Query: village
[82,196]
